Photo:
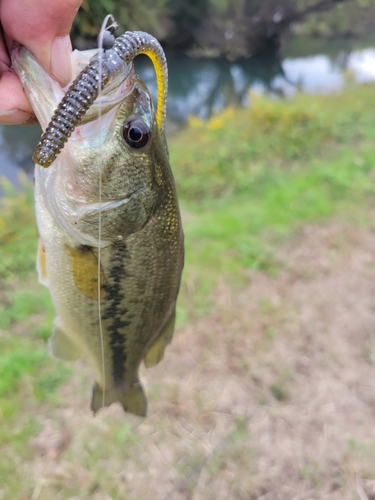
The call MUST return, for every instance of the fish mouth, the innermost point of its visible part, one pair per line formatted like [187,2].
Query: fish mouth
[49,93]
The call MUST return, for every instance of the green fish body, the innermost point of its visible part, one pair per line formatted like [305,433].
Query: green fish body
[109,192]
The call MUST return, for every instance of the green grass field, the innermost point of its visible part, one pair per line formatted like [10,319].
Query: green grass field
[247,180]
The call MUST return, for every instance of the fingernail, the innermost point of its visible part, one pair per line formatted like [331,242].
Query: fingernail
[16,117]
[61,67]
[8,112]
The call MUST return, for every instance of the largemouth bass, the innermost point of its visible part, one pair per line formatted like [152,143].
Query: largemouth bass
[111,241]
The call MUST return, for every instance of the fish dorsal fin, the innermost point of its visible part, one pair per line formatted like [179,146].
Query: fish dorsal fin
[41,264]
[156,352]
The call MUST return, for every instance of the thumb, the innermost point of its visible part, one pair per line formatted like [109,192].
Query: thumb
[43,27]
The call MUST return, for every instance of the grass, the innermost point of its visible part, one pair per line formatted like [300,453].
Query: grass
[247,181]
[28,376]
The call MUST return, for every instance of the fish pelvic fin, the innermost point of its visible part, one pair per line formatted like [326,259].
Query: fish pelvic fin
[61,346]
[133,400]
[156,352]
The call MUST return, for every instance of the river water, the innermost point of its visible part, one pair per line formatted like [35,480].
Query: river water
[204,86]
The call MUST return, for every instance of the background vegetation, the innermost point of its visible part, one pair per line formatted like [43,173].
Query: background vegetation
[266,391]
[226,28]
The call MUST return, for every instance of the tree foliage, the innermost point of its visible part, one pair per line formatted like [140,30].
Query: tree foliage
[230,28]
[149,15]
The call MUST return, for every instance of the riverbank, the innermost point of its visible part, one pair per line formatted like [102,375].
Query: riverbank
[278,204]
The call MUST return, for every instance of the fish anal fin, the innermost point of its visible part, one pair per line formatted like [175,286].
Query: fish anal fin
[133,400]
[61,346]
[84,267]
[41,263]
[156,352]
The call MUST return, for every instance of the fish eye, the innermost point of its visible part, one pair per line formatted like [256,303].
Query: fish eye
[136,133]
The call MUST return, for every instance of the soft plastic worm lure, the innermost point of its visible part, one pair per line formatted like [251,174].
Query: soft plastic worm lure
[98,75]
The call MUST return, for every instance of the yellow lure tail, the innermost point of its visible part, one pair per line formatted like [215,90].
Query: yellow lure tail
[162,84]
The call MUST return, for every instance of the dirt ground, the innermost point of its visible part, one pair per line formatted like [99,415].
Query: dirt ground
[272,397]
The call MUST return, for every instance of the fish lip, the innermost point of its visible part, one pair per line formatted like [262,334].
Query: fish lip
[50,92]
[15,50]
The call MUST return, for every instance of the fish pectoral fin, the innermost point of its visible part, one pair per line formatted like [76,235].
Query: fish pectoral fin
[133,400]
[41,263]
[84,268]
[61,346]
[156,352]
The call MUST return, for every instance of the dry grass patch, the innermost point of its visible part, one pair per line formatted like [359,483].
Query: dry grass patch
[272,397]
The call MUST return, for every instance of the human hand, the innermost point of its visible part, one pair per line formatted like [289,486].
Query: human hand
[43,27]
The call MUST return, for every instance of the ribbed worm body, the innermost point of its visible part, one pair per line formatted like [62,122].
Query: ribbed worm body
[99,74]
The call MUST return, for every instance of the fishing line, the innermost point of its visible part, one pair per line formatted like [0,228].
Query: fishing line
[100,43]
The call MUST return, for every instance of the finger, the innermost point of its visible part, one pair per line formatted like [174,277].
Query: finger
[43,27]
[15,107]
[4,55]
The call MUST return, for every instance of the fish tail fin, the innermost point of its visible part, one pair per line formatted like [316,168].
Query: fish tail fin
[133,400]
